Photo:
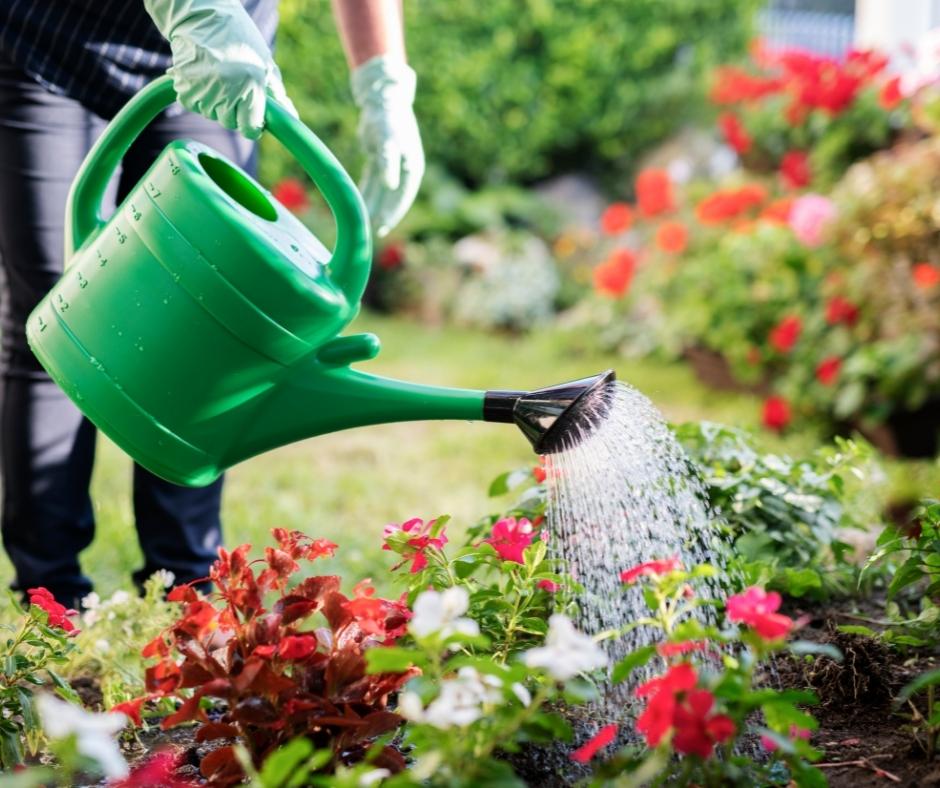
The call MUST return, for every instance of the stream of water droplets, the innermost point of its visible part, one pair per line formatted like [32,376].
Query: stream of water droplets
[622,491]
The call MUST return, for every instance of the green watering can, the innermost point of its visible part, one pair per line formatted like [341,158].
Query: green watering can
[199,325]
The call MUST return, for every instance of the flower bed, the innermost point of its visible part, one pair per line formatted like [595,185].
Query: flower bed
[282,678]
[825,304]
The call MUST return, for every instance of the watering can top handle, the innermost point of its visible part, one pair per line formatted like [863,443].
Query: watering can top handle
[352,255]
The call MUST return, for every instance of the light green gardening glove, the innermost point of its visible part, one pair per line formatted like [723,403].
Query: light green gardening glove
[384,89]
[222,67]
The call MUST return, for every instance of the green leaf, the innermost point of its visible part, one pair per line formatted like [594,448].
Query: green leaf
[924,680]
[63,688]
[11,751]
[799,647]
[857,629]
[284,762]
[390,659]
[631,662]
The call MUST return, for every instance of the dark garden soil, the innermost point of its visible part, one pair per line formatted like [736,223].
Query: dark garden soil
[866,739]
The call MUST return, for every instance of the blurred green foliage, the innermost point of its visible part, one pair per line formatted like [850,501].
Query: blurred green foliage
[517,90]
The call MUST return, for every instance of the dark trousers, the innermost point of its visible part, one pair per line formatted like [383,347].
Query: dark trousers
[47,447]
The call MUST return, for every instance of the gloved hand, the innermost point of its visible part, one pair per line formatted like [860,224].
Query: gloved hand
[222,67]
[384,89]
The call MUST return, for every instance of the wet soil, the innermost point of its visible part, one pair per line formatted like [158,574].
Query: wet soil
[866,737]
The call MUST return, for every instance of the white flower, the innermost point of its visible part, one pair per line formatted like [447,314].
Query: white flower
[520,691]
[410,706]
[165,576]
[566,652]
[441,612]
[91,600]
[102,645]
[460,702]
[93,732]
[119,597]
[373,777]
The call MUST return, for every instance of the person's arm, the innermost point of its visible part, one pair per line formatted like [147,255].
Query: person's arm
[369,28]
[383,86]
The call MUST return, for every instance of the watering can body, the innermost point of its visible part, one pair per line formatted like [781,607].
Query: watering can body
[199,324]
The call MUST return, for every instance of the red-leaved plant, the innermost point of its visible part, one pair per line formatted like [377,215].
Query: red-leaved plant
[278,677]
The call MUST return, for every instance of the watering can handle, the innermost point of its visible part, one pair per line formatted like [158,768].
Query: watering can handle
[352,255]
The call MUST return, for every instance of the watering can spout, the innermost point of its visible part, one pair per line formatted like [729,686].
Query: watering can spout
[319,398]
[555,417]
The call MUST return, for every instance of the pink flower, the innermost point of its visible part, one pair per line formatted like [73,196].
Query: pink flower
[661,566]
[685,647]
[758,609]
[795,733]
[599,741]
[809,218]
[510,538]
[548,585]
[411,539]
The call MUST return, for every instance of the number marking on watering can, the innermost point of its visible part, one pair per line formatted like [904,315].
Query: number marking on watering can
[154,191]
[41,323]
[174,165]
[121,236]
[102,260]
[63,304]
[135,212]
[82,281]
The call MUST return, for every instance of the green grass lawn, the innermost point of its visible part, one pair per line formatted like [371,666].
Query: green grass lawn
[348,485]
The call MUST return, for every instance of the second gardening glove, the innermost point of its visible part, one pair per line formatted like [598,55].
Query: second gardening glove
[384,89]
[222,67]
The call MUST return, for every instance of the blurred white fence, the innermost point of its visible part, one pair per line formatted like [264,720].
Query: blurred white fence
[824,33]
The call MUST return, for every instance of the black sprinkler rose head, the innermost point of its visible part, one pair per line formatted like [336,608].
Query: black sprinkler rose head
[555,417]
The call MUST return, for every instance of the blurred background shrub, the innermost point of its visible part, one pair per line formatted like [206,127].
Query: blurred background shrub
[519,90]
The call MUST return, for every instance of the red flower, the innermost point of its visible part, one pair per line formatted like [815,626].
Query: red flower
[827,371]
[785,334]
[795,733]
[510,537]
[661,566]
[657,718]
[391,256]
[132,708]
[926,276]
[548,585]
[697,730]
[734,85]
[614,276]
[794,169]
[419,541]
[685,647]
[726,204]
[758,609]
[599,741]
[617,218]
[58,615]
[654,192]
[776,413]
[840,310]
[890,96]
[158,770]
[538,473]
[292,194]
[735,133]
[672,237]
[778,212]
[297,646]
